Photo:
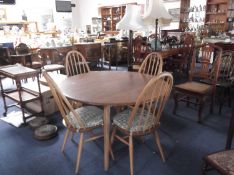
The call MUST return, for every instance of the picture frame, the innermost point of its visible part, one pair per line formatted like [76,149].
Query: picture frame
[3,16]
[175,13]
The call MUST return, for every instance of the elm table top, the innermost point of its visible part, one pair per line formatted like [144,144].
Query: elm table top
[105,87]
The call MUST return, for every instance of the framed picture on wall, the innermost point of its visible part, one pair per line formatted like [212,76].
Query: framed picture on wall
[175,13]
[3,16]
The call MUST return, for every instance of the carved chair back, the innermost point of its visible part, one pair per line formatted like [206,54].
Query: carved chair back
[206,62]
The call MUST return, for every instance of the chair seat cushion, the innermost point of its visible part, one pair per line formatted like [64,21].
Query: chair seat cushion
[53,67]
[195,87]
[91,116]
[139,123]
[223,160]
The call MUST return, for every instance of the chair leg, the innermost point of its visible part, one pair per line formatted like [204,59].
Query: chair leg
[201,103]
[131,154]
[158,144]
[112,141]
[65,140]
[80,146]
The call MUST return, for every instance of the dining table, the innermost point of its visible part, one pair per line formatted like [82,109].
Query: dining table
[106,89]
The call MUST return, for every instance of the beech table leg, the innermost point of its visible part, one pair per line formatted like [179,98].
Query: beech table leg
[106,136]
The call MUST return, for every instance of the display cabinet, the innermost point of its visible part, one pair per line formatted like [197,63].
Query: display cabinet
[111,15]
[216,15]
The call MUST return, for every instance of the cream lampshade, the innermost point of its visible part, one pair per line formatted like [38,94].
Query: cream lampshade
[131,21]
[156,14]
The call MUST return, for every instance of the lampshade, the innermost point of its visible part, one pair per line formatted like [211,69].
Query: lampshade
[132,19]
[156,10]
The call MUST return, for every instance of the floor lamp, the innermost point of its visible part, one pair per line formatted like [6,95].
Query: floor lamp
[157,15]
[131,21]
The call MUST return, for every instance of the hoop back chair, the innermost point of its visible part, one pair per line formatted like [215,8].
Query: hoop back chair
[81,120]
[144,117]
[206,70]
[224,83]
[152,64]
[75,63]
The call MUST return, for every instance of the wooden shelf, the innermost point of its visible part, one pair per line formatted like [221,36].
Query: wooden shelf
[216,13]
[26,96]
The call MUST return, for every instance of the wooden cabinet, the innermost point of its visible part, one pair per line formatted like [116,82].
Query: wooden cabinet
[216,15]
[111,15]
[90,51]
[184,14]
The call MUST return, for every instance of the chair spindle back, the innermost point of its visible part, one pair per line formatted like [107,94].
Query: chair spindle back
[75,63]
[151,101]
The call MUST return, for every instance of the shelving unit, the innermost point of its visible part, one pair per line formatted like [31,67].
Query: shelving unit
[111,15]
[21,96]
[216,15]
[192,15]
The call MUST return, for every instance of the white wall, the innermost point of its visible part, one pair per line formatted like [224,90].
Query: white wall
[86,9]
[34,10]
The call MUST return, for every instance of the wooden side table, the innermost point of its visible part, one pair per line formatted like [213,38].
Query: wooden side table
[20,95]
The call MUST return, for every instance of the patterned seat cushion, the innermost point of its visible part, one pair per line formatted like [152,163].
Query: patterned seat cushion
[90,115]
[139,123]
[223,160]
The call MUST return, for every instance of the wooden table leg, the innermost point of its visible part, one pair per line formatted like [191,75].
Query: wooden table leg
[230,131]
[106,136]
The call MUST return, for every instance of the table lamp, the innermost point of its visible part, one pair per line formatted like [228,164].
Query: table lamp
[131,21]
[156,14]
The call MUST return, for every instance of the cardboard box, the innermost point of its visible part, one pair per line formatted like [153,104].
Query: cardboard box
[49,105]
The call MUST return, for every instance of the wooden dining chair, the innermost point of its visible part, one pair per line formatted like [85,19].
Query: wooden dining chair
[144,117]
[140,50]
[81,120]
[75,63]
[182,61]
[52,59]
[224,82]
[205,66]
[152,64]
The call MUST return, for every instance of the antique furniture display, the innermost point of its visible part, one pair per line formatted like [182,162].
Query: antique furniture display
[183,60]
[21,95]
[81,120]
[53,58]
[144,118]
[109,54]
[152,65]
[75,63]
[90,51]
[111,15]
[105,88]
[23,51]
[5,58]
[196,92]
[216,15]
